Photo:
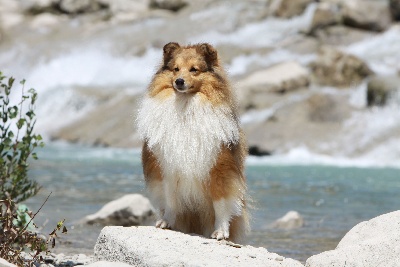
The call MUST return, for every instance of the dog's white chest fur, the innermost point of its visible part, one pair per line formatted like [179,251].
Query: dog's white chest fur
[186,134]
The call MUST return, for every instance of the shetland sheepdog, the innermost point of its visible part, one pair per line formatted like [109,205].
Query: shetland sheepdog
[194,149]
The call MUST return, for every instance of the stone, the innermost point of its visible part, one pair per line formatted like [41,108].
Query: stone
[132,209]
[109,131]
[9,20]
[108,264]
[381,88]
[368,244]
[259,152]
[45,20]
[294,117]
[290,220]
[288,8]
[326,108]
[366,14]
[126,6]
[172,5]
[4,263]
[40,6]
[395,9]
[280,78]
[340,35]
[80,6]
[325,14]
[335,68]
[150,246]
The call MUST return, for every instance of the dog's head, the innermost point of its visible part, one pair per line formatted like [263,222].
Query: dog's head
[189,65]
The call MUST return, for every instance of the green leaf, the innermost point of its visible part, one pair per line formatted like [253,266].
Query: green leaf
[20,123]
[13,112]
[10,81]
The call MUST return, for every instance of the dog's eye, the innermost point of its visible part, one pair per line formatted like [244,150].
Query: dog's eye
[176,69]
[193,69]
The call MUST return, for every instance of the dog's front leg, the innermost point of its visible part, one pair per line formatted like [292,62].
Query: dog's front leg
[224,210]
[167,219]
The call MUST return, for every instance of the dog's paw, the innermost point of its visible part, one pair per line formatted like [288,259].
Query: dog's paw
[163,224]
[220,234]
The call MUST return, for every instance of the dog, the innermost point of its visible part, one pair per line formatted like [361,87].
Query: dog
[194,149]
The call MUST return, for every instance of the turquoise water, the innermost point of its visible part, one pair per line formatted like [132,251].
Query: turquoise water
[331,199]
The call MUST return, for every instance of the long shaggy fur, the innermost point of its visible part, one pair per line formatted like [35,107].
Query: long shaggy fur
[193,150]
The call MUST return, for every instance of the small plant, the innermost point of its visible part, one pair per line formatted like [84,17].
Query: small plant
[17,143]
[16,238]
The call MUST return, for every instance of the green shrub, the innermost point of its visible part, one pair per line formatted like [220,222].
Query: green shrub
[17,143]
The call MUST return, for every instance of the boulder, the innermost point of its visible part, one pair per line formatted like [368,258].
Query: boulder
[288,8]
[290,220]
[295,117]
[339,35]
[46,20]
[172,5]
[325,108]
[40,6]
[366,14]
[150,246]
[133,209]
[279,78]
[4,263]
[100,126]
[368,244]
[9,20]
[259,152]
[126,6]
[395,9]
[325,14]
[381,88]
[335,68]
[80,6]
[108,264]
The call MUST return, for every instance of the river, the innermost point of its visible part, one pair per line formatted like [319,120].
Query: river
[331,198]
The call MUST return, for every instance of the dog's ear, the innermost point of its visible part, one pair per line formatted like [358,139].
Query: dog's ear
[168,51]
[210,54]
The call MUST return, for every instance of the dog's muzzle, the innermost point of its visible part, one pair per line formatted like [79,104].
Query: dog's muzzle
[180,85]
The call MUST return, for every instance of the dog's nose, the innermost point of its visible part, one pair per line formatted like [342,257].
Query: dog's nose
[179,82]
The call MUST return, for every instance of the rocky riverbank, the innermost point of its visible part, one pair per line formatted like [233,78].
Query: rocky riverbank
[372,243]
[305,71]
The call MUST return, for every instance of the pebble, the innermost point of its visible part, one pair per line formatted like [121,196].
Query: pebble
[62,260]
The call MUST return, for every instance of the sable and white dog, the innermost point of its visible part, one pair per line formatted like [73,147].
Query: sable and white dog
[194,150]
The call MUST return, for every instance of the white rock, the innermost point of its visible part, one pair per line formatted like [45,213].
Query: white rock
[325,14]
[129,6]
[150,246]
[45,20]
[368,15]
[288,8]
[369,244]
[290,220]
[4,263]
[108,264]
[133,209]
[280,77]
[253,90]
[9,20]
